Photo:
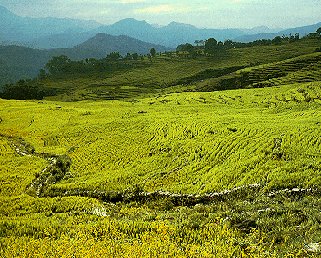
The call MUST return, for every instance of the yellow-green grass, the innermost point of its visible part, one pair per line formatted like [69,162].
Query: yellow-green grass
[188,142]
[93,236]
[184,143]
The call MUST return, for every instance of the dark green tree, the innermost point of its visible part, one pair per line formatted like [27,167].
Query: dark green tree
[42,74]
[185,48]
[199,43]
[135,56]
[210,46]
[229,43]
[58,65]
[319,31]
[129,56]
[24,89]
[114,56]
[277,40]
[153,52]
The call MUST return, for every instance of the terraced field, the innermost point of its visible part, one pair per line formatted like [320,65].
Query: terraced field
[193,143]
[189,142]
[166,74]
[301,69]
[152,173]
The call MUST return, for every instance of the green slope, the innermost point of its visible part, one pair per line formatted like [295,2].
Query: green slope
[127,153]
[188,142]
[305,68]
[175,73]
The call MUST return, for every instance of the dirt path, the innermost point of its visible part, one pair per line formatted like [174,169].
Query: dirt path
[59,165]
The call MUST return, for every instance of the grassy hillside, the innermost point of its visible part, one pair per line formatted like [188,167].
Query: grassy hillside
[157,171]
[188,142]
[18,62]
[193,143]
[175,73]
[305,68]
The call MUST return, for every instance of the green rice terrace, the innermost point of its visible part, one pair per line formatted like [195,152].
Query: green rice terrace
[176,156]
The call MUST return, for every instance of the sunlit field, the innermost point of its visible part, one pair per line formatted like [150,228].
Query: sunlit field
[193,143]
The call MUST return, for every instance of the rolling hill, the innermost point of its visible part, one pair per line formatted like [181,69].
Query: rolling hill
[19,62]
[169,72]
[140,162]
[105,43]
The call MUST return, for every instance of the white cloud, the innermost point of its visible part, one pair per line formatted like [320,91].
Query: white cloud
[163,8]
[202,13]
[131,1]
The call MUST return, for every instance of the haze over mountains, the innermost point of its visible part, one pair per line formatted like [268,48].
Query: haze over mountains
[46,33]
[36,40]
[24,30]
[171,35]
[304,30]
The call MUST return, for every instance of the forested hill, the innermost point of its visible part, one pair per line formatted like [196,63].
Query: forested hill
[20,62]
[105,43]
[17,62]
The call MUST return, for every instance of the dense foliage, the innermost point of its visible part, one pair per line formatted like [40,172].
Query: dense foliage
[64,66]
[25,89]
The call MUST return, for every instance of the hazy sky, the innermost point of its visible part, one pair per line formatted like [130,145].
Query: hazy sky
[211,14]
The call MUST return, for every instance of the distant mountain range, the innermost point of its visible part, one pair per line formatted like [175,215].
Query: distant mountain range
[171,35]
[177,33]
[46,33]
[22,38]
[304,30]
[14,28]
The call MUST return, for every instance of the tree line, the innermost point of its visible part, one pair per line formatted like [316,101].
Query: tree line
[212,47]
[62,66]
[26,89]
